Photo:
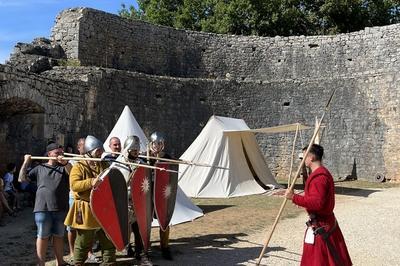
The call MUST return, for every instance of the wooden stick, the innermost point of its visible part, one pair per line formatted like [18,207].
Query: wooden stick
[172,160]
[100,160]
[266,241]
[181,162]
[73,154]
[292,158]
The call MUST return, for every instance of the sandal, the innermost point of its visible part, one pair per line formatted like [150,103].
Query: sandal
[92,259]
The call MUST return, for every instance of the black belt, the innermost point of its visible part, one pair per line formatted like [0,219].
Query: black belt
[325,235]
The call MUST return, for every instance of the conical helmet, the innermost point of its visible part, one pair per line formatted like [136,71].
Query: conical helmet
[132,143]
[157,137]
[92,143]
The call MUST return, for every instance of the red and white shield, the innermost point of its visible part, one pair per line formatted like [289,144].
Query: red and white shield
[165,188]
[109,205]
[141,190]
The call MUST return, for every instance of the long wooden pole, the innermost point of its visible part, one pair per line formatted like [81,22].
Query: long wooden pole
[80,158]
[266,241]
[292,158]
[181,162]
[169,160]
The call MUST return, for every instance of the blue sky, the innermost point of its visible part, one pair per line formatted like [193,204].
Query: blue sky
[24,20]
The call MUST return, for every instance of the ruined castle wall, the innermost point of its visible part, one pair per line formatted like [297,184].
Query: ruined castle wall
[186,77]
[110,41]
[35,110]
[361,128]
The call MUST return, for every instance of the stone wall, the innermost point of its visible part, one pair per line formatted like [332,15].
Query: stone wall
[109,41]
[174,80]
[35,109]
[361,126]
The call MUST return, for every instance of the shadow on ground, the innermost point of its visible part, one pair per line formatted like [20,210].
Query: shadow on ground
[358,192]
[213,208]
[214,249]
[346,191]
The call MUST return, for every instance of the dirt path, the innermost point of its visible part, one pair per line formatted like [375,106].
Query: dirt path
[229,234]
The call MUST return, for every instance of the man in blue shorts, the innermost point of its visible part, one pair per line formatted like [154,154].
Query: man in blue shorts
[51,204]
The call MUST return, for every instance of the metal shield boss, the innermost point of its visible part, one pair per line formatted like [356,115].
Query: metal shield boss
[165,189]
[141,190]
[109,205]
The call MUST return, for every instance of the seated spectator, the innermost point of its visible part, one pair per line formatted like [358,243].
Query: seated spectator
[4,207]
[9,188]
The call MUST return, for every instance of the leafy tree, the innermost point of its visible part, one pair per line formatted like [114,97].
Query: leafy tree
[267,18]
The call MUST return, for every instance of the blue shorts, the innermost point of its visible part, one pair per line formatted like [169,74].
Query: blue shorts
[50,223]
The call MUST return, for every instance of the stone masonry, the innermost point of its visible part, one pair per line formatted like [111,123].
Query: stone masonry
[174,80]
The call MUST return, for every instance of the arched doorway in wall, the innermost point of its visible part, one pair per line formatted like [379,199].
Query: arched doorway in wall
[21,130]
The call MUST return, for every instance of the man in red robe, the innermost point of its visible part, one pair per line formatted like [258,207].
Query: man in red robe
[323,242]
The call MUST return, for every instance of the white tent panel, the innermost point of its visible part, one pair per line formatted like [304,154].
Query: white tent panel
[126,126]
[236,151]
[273,130]
[182,203]
[185,210]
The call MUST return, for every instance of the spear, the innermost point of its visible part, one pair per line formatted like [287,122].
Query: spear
[81,158]
[266,241]
[182,162]
[170,160]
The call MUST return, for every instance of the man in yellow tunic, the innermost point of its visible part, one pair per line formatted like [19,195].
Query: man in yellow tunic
[84,177]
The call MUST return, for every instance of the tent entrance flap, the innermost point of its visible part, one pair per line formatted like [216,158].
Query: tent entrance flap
[251,168]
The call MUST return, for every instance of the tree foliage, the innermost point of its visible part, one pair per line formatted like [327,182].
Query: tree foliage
[267,18]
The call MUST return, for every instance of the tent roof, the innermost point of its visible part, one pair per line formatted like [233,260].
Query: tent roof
[238,153]
[125,126]
[271,130]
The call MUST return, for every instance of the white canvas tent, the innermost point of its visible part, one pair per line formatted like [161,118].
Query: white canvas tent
[185,210]
[230,143]
[126,126]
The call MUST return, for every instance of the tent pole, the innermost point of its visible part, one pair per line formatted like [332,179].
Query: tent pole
[266,241]
[292,158]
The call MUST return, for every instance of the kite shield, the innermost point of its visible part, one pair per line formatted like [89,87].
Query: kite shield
[141,190]
[109,204]
[165,189]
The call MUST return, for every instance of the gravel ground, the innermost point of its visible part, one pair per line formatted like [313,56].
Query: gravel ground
[368,219]
[369,222]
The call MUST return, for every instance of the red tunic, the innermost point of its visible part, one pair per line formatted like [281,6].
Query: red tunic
[319,199]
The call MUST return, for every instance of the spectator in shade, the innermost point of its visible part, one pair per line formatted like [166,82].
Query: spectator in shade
[9,187]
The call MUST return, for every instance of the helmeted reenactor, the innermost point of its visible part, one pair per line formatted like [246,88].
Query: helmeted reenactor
[130,154]
[84,177]
[157,146]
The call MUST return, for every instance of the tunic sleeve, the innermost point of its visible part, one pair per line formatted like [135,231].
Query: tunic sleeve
[77,181]
[315,197]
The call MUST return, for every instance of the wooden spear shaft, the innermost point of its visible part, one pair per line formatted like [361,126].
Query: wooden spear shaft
[99,160]
[181,161]
[169,160]
[266,242]
[292,158]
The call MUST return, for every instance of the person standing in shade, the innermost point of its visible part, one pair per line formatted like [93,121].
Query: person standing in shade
[323,242]
[51,203]
[9,187]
